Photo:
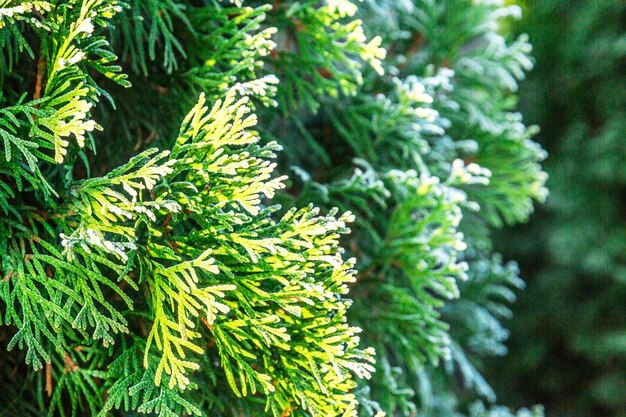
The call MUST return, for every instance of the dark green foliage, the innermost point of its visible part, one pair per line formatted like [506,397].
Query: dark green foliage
[146,267]
[569,345]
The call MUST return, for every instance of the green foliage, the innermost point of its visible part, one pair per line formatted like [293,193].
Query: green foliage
[158,276]
[428,157]
[575,359]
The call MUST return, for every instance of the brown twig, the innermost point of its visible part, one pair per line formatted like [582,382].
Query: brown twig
[8,276]
[167,221]
[49,379]
[70,365]
[287,412]
[206,323]
[41,67]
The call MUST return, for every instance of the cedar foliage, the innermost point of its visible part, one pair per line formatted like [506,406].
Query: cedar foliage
[575,361]
[163,257]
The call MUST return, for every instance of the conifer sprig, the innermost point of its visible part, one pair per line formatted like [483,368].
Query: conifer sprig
[160,276]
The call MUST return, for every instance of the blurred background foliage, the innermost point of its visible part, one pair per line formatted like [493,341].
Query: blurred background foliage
[568,333]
